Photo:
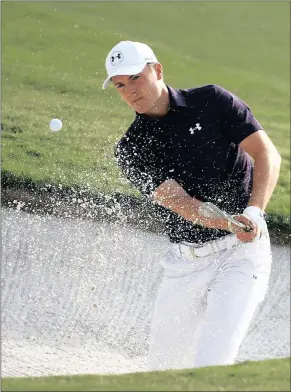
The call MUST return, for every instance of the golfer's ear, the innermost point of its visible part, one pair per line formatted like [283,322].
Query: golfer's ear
[159,71]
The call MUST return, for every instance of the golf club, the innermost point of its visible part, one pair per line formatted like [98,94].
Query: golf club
[210,210]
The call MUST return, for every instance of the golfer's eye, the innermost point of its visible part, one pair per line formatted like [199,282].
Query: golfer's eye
[119,85]
[135,77]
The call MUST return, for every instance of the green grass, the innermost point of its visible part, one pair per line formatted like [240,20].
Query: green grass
[53,66]
[270,375]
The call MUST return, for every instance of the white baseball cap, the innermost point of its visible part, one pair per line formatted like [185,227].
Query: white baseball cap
[127,58]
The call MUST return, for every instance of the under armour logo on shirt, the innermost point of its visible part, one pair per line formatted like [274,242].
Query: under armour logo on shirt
[197,127]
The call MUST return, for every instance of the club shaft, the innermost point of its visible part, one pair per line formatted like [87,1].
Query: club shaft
[211,210]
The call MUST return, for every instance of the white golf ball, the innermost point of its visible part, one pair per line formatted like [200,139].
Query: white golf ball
[55,125]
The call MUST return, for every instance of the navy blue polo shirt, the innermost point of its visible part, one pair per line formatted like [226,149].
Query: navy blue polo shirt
[197,144]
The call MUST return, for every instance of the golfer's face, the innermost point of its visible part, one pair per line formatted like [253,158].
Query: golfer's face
[140,91]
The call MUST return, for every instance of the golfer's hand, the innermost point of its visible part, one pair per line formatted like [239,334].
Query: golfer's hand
[241,234]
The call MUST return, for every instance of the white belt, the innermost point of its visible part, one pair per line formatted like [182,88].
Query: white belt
[210,247]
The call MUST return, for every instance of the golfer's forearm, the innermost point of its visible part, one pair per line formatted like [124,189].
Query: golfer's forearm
[266,173]
[187,207]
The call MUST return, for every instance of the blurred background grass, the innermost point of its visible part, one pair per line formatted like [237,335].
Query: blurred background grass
[53,66]
[268,375]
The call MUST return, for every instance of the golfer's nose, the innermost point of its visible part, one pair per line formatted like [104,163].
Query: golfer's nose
[131,88]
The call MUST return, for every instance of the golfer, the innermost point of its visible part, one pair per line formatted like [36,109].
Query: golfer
[186,147]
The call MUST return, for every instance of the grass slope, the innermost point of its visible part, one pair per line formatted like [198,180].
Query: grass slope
[53,66]
[270,375]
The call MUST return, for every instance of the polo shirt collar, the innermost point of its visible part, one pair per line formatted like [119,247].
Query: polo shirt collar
[176,98]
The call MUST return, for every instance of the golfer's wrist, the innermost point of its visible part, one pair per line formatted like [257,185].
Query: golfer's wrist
[229,227]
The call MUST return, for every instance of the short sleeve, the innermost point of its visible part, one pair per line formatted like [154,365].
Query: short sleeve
[237,119]
[142,175]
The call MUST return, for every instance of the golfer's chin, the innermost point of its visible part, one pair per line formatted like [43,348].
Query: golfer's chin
[141,106]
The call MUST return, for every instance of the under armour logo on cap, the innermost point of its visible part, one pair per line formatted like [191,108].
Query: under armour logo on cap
[116,58]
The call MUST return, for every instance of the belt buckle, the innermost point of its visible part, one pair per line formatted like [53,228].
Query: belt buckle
[193,253]
[195,246]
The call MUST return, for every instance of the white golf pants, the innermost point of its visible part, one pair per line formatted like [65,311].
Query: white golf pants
[205,304]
